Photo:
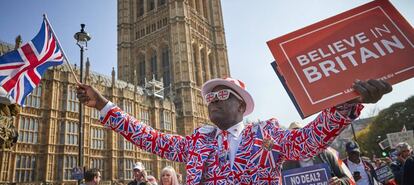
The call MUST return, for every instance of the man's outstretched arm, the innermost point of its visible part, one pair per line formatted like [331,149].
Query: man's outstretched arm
[317,135]
[172,147]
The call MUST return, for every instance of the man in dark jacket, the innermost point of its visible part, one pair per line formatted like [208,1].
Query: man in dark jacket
[408,178]
[403,152]
[362,171]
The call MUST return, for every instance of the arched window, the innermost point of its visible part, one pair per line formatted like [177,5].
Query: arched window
[197,5]
[97,138]
[28,130]
[166,67]
[151,5]
[140,8]
[191,3]
[25,168]
[205,9]
[203,65]
[72,100]
[33,99]
[196,66]
[141,70]
[212,67]
[161,2]
[153,61]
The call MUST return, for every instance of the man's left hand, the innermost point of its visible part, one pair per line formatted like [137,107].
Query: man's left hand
[371,91]
[334,181]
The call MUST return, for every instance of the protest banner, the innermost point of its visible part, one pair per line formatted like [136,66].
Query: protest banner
[319,63]
[384,173]
[77,173]
[313,175]
[384,144]
[397,137]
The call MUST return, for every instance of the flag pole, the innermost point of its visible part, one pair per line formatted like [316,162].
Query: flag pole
[63,52]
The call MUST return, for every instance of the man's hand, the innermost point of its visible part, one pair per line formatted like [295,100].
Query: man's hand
[90,96]
[357,176]
[334,181]
[370,91]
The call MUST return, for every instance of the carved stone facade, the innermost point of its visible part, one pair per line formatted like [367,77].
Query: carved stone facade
[179,42]
[166,50]
[47,147]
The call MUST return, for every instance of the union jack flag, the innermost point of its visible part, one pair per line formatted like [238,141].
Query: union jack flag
[22,69]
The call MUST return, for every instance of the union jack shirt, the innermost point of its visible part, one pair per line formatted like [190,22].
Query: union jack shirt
[263,147]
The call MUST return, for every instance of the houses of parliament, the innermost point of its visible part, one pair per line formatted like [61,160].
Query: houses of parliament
[166,50]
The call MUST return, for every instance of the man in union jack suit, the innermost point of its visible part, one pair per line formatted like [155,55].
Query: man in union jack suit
[231,152]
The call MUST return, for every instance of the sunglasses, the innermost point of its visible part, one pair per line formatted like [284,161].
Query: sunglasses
[221,95]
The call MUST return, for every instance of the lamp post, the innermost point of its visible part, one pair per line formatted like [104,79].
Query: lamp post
[82,39]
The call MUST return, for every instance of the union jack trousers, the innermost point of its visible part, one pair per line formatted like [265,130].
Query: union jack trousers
[263,147]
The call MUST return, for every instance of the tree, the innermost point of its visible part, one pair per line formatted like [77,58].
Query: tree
[389,120]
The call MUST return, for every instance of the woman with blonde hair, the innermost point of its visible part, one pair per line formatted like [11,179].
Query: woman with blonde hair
[168,176]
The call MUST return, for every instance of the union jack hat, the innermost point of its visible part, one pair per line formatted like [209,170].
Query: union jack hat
[234,84]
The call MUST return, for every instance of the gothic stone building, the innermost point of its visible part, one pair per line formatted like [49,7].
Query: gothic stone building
[47,148]
[166,50]
[180,42]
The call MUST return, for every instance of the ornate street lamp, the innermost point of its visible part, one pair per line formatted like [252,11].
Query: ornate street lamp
[82,39]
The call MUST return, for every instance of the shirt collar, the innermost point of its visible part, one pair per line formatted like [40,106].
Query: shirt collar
[356,164]
[235,130]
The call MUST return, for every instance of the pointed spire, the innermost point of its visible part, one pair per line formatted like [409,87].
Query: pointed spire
[18,42]
[113,76]
[87,65]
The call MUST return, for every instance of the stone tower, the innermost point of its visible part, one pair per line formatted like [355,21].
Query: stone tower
[178,42]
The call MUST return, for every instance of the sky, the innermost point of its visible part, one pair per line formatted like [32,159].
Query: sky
[248,26]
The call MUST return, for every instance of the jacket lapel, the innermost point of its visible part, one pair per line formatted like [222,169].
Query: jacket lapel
[243,152]
[203,150]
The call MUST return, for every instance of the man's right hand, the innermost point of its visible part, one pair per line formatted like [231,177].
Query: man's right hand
[90,97]
[357,177]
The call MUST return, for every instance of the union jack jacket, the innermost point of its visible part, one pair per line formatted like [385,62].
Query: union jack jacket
[263,147]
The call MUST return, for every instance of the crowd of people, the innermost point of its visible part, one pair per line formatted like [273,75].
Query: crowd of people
[358,169]
[229,151]
[366,171]
[355,169]
[140,177]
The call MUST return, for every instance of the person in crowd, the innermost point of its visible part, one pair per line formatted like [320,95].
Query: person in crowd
[231,152]
[118,182]
[408,176]
[338,176]
[362,170]
[140,175]
[388,161]
[92,176]
[169,176]
[180,178]
[152,180]
[378,163]
[402,152]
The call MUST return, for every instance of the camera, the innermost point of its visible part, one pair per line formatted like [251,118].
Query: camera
[356,173]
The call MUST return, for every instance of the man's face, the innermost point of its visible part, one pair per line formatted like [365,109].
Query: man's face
[137,174]
[354,156]
[226,113]
[98,178]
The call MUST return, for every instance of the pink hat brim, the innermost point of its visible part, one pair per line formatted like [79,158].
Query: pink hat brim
[209,85]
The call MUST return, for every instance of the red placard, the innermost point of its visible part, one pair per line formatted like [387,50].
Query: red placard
[319,63]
